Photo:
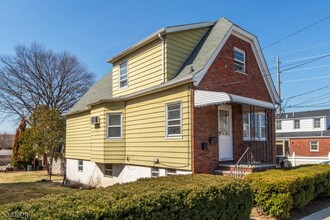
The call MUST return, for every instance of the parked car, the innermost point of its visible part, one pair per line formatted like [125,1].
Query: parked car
[325,162]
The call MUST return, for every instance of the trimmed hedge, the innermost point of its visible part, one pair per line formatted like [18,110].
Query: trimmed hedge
[174,197]
[276,192]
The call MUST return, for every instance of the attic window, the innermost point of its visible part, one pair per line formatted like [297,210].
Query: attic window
[123,75]
[239,60]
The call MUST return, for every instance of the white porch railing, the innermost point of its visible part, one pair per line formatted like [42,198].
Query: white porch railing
[297,160]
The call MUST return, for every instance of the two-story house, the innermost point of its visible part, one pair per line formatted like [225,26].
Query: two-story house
[180,101]
[303,133]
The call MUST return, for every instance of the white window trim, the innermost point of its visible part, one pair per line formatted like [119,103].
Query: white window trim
[319,123]
[124,87]
[121,126]
[244,63]
[173,136]
[154,172]
[81,166]
[310,146]
[106,175]
[259,128]
[280,123]
[294,124]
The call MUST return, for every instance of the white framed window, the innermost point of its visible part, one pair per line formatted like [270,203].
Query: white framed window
[317,123]
[246,125]
[170,172]
[123,75]
[154,171]
[114,125]
[239,60]
[80,165]
[108,171]
[314,146]
[259,131]
[278,125]
[296,124]
[173,120]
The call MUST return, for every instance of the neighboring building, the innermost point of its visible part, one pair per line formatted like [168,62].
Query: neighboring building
[178,102]
[303,133]
[5,157]
[6,141]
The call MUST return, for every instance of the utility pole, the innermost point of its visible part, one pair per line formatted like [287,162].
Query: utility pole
[279,83]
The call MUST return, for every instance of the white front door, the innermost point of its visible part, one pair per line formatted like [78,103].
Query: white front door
[225,133]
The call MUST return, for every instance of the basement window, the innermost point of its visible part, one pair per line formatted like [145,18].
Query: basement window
[239,60]
[154,171]
[123,75]
[314,146]
[108,170]
[170,172]
[80,165]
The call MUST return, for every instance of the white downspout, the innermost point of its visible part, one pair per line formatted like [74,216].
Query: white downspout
[163,57]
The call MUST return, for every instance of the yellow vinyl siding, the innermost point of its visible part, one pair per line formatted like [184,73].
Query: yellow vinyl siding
[106,150]
[144,69]
[179,46]
[145,130]
[78,138]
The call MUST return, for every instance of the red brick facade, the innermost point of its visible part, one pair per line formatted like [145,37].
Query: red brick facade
[301,147]
[222,77]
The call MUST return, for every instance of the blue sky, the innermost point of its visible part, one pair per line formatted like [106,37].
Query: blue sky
[97,30]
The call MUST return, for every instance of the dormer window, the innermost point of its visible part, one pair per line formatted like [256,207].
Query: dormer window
[317,123]
[239,60]
[123,75]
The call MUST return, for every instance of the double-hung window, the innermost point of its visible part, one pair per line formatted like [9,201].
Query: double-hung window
[317,123]
[114,125]
[239,60]
[254,126]
[123,75]
[278,125]
[173,120]
[296,124]
[314,146]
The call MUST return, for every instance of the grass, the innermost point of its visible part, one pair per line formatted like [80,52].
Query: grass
[22,185]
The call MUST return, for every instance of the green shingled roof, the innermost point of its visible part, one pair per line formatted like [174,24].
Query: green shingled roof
[102,89]
[205,49]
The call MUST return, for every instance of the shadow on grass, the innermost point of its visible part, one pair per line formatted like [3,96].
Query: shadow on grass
[14,192]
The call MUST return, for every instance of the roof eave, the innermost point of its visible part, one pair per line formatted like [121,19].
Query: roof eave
[155,36]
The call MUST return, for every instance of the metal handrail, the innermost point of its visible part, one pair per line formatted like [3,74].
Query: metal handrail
[236,172]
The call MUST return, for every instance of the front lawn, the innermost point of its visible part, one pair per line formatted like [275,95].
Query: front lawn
[22,185]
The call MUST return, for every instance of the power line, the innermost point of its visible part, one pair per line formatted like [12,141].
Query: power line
[300,80]
[308,68]
[307,62]
[305,28]
[305,93]
[324,96]
[298,50]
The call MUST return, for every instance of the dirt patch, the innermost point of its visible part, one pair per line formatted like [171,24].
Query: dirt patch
[296,214]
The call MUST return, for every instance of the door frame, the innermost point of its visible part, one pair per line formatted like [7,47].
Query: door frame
[229,109]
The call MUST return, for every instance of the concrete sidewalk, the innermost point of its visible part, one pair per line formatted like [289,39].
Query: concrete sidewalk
[323,214]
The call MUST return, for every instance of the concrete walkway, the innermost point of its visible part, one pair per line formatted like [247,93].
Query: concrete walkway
[324,214]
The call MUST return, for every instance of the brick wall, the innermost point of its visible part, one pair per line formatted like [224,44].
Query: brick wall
[301,146]
[222,77]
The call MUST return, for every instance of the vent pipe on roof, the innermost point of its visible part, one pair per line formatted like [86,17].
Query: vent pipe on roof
[163,57]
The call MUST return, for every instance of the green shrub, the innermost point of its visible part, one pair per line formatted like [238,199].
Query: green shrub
[276,192]
[174,197]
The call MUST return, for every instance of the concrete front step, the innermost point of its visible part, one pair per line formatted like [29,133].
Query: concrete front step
[225,169]
[226,172]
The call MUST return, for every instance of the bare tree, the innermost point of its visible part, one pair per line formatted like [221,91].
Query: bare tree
[36,76]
